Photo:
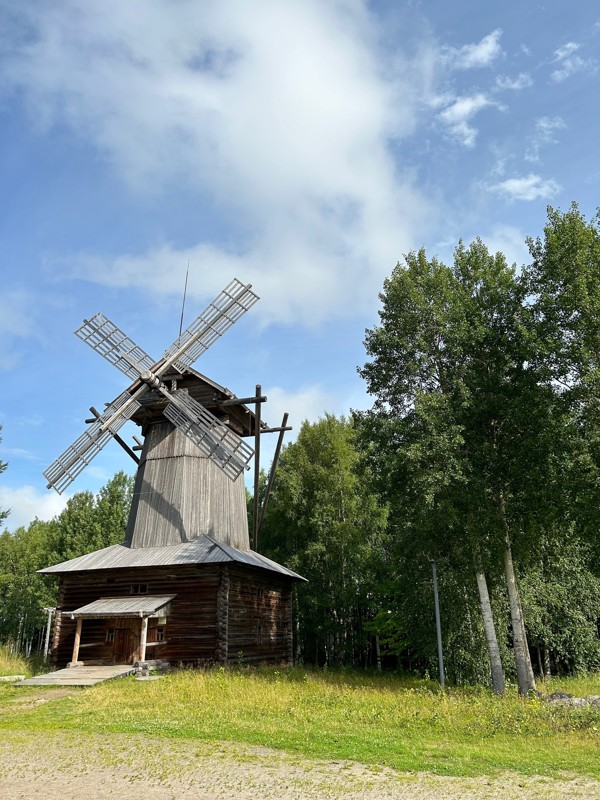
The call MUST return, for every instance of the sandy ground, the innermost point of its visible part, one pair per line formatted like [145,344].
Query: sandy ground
[69,766]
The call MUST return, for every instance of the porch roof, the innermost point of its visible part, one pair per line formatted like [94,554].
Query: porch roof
[136,606]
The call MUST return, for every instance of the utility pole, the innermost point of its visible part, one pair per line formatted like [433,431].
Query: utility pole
[438,624]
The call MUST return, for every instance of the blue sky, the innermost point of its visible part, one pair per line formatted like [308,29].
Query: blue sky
[301,146]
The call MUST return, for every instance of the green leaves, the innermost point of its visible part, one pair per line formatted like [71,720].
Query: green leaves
[3,466]
[88,523]
[486,415]
[325,522]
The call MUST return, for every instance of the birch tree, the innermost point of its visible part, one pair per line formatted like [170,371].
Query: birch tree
[564,283]
[454,387]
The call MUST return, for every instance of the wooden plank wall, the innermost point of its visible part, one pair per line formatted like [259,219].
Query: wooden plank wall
[260,617]
[222,613]
[179,494]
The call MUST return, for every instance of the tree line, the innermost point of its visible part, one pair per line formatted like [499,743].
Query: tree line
[481,452]
[88,522]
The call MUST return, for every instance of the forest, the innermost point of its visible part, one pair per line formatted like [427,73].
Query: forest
[480,454]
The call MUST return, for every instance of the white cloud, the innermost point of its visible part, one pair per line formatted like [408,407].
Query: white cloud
[457,115]
[26,503]
[545,128]
[471,56]
[569,63]
[528,187]
[99,474]
[34,420]
[566,51]
[522,81]
[281,114]
[304,403]
[499,168]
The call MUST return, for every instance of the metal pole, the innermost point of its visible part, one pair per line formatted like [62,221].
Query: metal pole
[50,611]
[438,624]
[256,467]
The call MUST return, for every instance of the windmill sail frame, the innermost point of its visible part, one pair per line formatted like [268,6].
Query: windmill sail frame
[213,438]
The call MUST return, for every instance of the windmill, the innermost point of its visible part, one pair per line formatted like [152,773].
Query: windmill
[188,509]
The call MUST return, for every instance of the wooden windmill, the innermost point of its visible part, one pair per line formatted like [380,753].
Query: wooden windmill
[184,584]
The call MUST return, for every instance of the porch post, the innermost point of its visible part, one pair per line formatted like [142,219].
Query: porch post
[143,637]
[75,655]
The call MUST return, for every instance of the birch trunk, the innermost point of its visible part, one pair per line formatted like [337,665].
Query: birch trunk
[490,634]
[525,679]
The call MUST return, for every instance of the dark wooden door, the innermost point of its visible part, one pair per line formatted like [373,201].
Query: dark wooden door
[123,646]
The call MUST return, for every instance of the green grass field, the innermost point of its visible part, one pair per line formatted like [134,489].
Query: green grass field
[379,720]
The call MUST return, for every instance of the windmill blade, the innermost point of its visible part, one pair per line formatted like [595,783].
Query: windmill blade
[209,434]
[105,338]
[225,309]
[76,457]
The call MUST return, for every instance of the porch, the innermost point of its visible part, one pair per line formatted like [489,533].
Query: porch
[79,676]
[119,630]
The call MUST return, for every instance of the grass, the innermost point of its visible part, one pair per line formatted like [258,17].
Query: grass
[579,686]
[382,720]
[12,663]
[16,664]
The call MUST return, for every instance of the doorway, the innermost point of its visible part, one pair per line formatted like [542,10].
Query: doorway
[123,646]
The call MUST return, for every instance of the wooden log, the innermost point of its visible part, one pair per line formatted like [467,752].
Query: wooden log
[75,656]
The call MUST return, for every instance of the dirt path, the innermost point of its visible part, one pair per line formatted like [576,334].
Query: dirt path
[104,767]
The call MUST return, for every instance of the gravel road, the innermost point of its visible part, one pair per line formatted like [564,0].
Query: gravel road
[69,766]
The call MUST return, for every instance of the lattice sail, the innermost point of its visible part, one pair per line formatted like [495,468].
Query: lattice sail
[219,316]
[209,434]
[77,456]
[105,338]
[214,438]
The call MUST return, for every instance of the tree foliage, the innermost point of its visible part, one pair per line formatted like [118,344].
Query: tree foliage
[483,443]
[3,465]
[89,522]
[487,452]
[325,522]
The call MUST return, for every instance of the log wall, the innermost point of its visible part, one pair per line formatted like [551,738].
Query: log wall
[221,613]
[260,618]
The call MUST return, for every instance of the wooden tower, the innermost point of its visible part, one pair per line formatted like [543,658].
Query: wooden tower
[184,586]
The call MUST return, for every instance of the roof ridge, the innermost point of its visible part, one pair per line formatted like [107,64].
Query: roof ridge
[220,545]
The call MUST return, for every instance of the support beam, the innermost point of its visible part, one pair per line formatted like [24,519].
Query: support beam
[75,656]
[282,431]
[49,611]
[143,639]
[438,624]
[242,401]
[116,436]
[277,430]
